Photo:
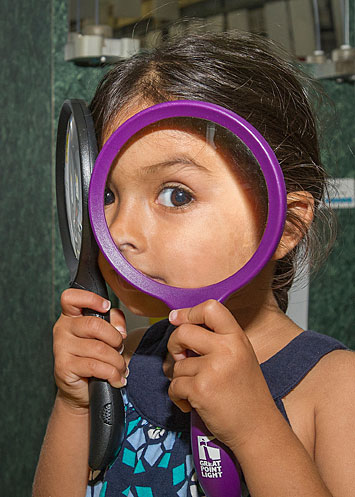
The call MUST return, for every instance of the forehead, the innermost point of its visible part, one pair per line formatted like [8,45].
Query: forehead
[178,128]
[165,136]
[122,116]
[188,138]
[163,146]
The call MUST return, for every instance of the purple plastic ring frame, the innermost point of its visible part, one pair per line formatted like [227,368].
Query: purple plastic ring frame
[175,297]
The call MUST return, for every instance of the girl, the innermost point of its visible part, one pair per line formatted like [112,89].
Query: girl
[281,398]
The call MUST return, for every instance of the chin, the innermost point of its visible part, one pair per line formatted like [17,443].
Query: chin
[144,305]
[137,302]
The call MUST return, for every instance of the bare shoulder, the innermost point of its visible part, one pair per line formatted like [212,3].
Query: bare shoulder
[338,365]
[335,374]
[334,449]
[132,341]
[327,391]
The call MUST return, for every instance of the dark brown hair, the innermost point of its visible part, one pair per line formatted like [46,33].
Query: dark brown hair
[250,76]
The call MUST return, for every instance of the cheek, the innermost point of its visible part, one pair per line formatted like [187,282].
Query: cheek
[213,249]
[104,266]
[201,253]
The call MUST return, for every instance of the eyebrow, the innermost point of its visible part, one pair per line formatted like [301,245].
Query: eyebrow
[183,161]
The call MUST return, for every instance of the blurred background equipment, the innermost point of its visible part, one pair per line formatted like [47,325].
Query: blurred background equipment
[315,31]
[90,38]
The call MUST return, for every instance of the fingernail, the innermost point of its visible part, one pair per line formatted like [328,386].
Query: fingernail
[106,305]
[121,349]
[126,372]
[173,315]
[123,381]
[121,330]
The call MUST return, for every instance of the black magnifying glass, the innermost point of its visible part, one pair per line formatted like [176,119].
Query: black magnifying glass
[75,157]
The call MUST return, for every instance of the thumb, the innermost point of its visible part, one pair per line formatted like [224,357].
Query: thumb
[211,314]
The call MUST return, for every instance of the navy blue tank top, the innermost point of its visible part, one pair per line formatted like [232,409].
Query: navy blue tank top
[155,458]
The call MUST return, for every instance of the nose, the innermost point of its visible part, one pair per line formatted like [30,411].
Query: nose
[126,228]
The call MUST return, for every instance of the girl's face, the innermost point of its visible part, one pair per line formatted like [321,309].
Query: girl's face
[178,213]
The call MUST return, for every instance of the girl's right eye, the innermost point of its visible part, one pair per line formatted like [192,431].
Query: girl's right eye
[109,197]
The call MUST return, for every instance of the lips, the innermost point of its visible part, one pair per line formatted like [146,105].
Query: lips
[155,278]
[127,286]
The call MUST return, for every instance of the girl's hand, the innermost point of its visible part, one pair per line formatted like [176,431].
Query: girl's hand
[87,346]
[224,383]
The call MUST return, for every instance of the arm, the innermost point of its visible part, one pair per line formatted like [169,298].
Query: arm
[83,346]
[274,462]
[226,386]
[62,468]
[331,471]
[334,420]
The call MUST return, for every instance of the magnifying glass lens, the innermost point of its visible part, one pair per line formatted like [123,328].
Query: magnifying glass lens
[186,202]
[73,187]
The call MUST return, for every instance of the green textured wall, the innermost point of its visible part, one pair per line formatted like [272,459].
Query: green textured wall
[332,290]
[26,231]
[332,294]
[34,81]
[68,81]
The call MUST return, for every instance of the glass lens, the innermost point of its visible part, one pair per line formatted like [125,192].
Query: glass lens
[73,188]
[186,202]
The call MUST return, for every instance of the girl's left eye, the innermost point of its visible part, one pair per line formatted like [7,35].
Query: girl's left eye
[174,197]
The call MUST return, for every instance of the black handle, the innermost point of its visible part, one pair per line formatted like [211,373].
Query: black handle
[107,414]
[107,423]
[107,417]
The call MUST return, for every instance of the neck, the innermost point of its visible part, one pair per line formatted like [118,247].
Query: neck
[266,326]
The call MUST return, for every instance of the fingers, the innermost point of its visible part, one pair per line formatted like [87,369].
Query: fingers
[188,367]
[211,313]
[194,378]
[98,350]
[118,320]
[190,337]
[74,300]
[185,373]
[84,367]
[88,346]
[97,328]
[178,393]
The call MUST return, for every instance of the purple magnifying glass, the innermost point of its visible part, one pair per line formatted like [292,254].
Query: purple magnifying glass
[242,146]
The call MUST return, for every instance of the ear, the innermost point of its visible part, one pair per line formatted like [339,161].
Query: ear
[300,213]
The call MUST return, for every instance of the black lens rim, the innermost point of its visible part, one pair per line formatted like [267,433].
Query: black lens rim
[88,150]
